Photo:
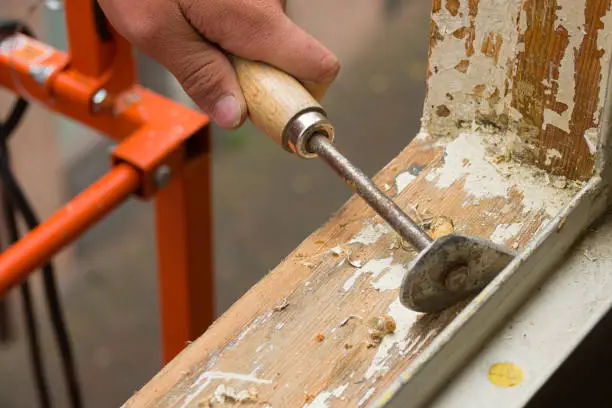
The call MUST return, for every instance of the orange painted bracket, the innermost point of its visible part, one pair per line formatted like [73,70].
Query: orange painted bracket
[163,153]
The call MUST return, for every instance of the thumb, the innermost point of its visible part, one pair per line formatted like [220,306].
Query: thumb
[203,70]
[208,77]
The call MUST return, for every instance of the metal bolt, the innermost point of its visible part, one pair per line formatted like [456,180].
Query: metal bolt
[98,100]
[456,279]
[41,73]
[163,174]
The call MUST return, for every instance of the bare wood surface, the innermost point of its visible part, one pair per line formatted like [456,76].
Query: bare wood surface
[303,336]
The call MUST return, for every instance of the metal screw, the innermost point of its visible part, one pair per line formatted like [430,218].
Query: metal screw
[163,174]
[98,100]
[456,279]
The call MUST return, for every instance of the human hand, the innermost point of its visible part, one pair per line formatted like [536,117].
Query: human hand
[189,38]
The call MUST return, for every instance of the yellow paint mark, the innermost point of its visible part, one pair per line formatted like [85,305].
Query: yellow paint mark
[505,375]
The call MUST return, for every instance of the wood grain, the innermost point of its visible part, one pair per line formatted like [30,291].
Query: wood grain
[533,69]
[300,336]
[282,346]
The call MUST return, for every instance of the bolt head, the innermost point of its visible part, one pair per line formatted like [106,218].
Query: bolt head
[163,174]
[457,278]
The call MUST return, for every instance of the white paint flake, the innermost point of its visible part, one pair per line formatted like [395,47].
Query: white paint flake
[370,234]
[483,179]
[322,400]
[404,319]
[392,279]
[590,136]
[403,180]
[505,232]
[374,266]
[560,121]
[204,380]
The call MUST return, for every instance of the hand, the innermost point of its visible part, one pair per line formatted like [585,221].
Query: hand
[188,37]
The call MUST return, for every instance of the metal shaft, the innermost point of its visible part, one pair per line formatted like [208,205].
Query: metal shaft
[362,184]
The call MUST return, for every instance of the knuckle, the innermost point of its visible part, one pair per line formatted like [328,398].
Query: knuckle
[202,81]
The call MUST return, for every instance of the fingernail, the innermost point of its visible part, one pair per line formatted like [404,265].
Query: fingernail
[227,113]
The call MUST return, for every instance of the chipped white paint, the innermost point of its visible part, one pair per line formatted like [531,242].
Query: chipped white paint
[403,180]
[366,397]
[399,340]
[560,121]
[570,15]
[204,380]
[392,279]
[550,155]
[374,266]
[484,179]
[591,136]
[505,232]
[322,399]
[495,17]
[370,234]
[604,43]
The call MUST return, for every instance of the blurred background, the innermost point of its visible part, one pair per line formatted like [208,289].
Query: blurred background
[108,278]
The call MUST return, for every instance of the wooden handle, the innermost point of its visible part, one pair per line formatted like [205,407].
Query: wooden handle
[273,97]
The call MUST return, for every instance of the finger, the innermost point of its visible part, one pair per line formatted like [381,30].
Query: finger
[203,70]
[261,31]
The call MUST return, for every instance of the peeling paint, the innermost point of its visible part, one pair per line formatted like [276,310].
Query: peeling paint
[404,319]
[374,266]
[322,400]
[505,232]
[403,180]
[591,136]
[560,121]
[392,279]
[482,179]
[370,234]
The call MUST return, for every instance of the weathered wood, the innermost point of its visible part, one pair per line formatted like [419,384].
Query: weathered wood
[539,81]
[300,337]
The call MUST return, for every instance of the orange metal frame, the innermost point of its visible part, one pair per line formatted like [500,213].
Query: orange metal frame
[163,153]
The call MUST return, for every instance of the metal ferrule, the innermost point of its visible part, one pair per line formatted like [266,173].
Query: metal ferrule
[301,128]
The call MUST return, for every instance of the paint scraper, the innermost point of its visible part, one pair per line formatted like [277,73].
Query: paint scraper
[446,270]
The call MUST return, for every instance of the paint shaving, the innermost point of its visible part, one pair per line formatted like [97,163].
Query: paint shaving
[399,340]
[281,305]
[228,395]
[379,327]
[345,321]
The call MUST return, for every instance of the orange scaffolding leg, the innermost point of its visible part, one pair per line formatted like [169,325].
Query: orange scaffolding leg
[185,260]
